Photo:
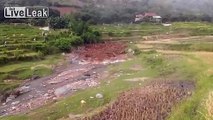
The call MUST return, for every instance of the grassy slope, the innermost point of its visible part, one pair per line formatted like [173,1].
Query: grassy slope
[24,70]
[194,108]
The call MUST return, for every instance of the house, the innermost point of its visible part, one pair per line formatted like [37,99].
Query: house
[148,17]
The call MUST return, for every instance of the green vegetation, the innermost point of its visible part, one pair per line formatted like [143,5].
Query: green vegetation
[65,44]
[128,30]
[59,22]
[78,34]
[187,64]
[194,28]
[88,34]
[11,75]
[146,29]
[20,42]
[193,108]
[189,47]
[192,65]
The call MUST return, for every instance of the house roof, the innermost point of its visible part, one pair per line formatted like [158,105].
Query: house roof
[65,10]
[139,15]
[148,14]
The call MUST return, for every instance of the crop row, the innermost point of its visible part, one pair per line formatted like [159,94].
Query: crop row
[31,46]
[20,57]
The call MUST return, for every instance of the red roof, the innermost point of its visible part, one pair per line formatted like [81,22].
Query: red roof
[65,10]
[150,14]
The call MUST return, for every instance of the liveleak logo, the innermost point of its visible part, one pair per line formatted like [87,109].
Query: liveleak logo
[26,12]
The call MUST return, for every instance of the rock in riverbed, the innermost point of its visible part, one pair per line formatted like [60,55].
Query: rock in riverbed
[99,96]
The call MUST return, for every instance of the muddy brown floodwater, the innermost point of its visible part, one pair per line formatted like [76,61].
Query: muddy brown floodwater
[152,102]
[87,66]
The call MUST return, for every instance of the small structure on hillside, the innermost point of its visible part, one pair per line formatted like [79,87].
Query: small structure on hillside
[47,28]
[148,17]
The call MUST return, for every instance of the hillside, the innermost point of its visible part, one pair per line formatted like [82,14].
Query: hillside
[40,2]
[167,7]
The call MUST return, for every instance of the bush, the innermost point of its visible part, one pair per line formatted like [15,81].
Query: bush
[79,27]
[76,41]
[111,34]
[137,51]
[58,23]
[50,48]
[90,37]
[64,44]
[3,59]
[82,29]
[38,22]
[78,34]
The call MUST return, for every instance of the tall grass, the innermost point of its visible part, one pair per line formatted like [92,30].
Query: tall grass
[209,106]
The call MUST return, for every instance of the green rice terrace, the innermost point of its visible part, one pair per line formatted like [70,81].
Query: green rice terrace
[20,42]
[136,72]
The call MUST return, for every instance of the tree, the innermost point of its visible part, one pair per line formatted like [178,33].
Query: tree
[58,22]
[79,27]
[39,22]
[64,44]
[82,29]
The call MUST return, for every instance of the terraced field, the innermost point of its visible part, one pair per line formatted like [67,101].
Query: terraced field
[126,32]
[22,55]
[20,42]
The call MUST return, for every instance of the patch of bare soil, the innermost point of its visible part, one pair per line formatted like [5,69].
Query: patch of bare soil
[101,51]
[153,102]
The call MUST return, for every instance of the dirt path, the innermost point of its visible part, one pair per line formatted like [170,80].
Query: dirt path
[79,74]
